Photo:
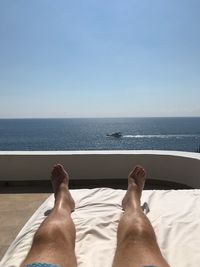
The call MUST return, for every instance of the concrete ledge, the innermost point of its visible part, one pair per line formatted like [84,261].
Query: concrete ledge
[174,166]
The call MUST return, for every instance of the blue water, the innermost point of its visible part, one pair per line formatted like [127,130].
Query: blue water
[181,134]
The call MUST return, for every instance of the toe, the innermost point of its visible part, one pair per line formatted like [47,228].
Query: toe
[143,172]
[60,168]
[137,171]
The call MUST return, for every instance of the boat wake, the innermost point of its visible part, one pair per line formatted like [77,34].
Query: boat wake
[164,136]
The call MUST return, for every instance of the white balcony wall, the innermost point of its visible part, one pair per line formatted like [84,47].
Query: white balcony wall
[180,167]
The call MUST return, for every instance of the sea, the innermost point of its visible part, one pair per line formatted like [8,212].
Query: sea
[180,134]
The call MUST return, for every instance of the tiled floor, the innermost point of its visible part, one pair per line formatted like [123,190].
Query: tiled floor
[15,210]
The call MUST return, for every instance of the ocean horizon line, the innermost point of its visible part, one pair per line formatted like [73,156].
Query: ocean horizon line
[123,117]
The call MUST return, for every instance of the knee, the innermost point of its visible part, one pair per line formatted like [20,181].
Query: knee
[49,233]
[137,232]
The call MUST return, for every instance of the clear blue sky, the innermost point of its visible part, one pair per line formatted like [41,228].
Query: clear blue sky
[99,58]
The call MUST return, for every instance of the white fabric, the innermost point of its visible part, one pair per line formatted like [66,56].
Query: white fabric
[174,214]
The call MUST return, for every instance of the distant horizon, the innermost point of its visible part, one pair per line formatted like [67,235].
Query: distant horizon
[131,117]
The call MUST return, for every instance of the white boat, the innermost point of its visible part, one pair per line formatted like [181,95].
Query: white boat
[117,135]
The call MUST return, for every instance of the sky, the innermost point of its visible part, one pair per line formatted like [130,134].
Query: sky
[131,58]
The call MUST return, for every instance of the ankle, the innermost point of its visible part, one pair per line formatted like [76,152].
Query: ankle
[132,186]
[63,200]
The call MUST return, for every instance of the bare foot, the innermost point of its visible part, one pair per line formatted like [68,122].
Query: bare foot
[59,176]
[136,181]
[60,180]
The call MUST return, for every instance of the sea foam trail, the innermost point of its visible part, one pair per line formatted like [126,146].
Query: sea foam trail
[162,136]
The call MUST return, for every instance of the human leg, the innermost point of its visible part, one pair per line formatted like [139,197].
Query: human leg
[136,240]
[54,241]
